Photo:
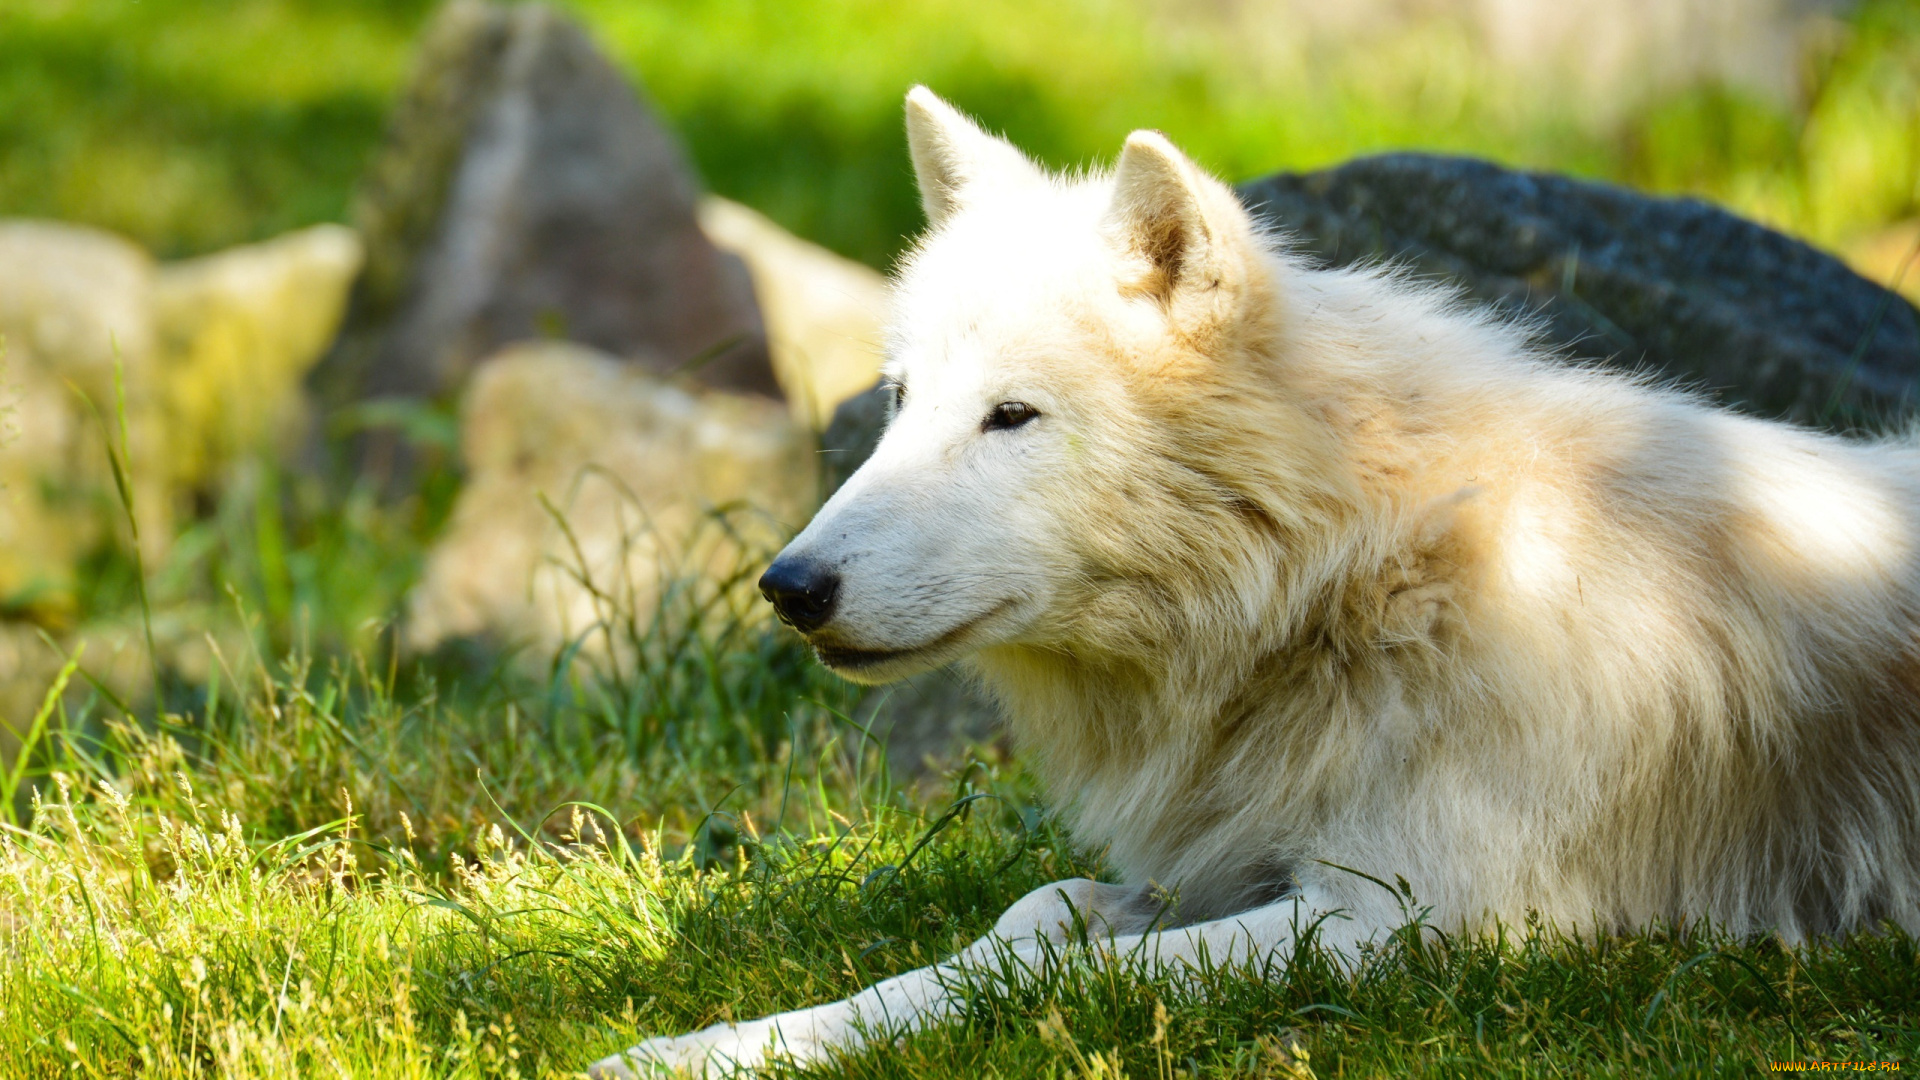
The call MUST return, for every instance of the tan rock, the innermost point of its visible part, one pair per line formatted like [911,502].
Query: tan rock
[74,309]
[823,313]
[638,468]
[238,331]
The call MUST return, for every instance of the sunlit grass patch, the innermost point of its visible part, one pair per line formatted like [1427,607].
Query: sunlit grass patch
[318,868]
[159,935]
[184,942]
[325,868]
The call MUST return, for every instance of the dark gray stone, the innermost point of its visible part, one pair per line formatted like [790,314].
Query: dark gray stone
[929,722]
[852,434]
[1760,320]
[525,191]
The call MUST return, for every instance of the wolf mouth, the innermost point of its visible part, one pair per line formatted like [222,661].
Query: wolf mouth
[857,659]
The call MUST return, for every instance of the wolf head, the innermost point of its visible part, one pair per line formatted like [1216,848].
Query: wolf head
[1066,357]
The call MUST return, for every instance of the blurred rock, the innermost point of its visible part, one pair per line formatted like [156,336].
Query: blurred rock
[637,467]
[929,721]
[1675,286]
[526,192]
[824,314]
[852,435]
[238,331]
[75,307]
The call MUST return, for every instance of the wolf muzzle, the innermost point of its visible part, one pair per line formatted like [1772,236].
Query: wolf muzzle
[801,591]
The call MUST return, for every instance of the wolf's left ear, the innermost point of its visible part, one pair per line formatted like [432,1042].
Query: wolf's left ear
[953,157]
[1189,241]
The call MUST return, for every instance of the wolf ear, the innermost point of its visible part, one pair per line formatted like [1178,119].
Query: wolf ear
[951,154]
[1189,240]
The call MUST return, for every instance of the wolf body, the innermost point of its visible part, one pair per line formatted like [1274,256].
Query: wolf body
[1284,572]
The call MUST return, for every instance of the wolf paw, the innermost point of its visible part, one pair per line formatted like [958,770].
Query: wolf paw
[721,1050]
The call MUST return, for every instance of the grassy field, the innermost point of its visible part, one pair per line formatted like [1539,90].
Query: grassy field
[312,856]
[343,873]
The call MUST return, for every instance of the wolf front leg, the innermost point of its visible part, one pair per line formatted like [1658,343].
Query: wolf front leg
[1117,920]
[908,1002]
[1266,933]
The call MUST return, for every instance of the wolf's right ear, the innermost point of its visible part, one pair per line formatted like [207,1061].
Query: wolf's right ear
[952,154]
[1186,239]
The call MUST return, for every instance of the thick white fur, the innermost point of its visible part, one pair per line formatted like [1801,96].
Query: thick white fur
[1301,567]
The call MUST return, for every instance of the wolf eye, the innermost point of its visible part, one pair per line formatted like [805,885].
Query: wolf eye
[897,392]
[1009,414]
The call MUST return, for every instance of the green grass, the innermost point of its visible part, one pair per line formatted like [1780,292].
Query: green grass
[318,875]
[192,124]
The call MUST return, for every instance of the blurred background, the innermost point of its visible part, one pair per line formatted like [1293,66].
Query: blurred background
[190,126]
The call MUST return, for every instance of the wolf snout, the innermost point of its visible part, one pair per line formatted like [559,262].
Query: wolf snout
[802,591]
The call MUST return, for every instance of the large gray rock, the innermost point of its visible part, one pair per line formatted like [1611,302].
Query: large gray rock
[525,191]
[1676,286]
[852,435]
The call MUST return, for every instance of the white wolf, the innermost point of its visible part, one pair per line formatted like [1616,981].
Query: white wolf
[1279,569]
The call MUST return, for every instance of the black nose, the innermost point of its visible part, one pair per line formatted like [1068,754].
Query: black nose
[802,591]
